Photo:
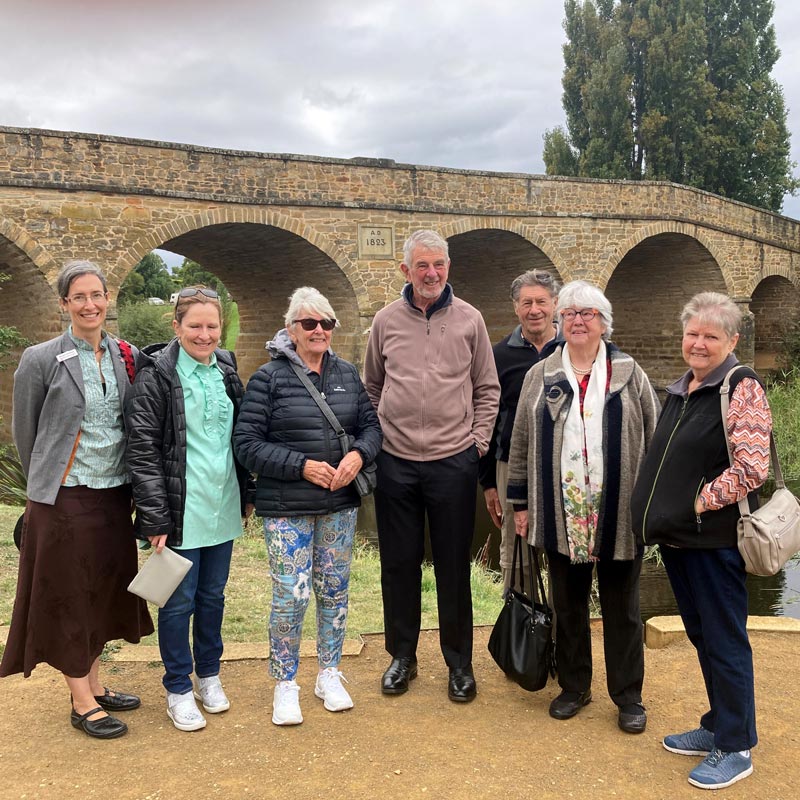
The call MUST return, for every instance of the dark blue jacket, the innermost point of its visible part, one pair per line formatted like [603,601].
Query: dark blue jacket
[280,427]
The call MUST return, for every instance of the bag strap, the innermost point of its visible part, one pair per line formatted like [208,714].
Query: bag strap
[319,399]
[126,354]
[724,393]
[533,566]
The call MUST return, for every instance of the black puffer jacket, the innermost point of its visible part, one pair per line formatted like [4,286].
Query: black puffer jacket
[280,427]
[156,452]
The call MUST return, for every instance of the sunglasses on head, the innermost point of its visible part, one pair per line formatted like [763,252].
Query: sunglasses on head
[311,324]
[191,291]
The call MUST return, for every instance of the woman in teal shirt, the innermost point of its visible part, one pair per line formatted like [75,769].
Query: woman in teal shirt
[189,492]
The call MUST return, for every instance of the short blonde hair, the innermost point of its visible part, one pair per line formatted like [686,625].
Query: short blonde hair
[310,300]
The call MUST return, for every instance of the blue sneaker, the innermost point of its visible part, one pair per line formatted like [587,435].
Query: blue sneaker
[692,743]
[718,770]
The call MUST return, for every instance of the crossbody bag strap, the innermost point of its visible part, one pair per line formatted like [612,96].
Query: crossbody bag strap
[724,393]
[323,406]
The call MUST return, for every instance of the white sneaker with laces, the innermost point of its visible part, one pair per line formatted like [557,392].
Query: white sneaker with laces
[184,713]
[329,688]
[286,704]
[210,692]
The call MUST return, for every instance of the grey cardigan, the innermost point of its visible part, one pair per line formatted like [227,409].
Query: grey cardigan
[48,409]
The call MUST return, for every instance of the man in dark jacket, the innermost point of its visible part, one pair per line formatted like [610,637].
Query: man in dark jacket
[534,295]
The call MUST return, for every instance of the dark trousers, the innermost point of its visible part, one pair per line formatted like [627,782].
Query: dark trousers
[709,586]
[443,490]
[618,584]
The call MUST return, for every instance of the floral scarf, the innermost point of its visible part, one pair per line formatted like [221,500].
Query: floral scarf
[582,458]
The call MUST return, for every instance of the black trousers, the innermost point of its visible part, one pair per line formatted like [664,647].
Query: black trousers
[444,491]
[618,584]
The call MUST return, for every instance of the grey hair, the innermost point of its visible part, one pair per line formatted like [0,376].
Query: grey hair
[713,308]
[580,294]
[74,269]
[310,300]
[534,277]
[430,240]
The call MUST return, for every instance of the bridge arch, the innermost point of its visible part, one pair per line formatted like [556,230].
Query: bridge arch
[775,305]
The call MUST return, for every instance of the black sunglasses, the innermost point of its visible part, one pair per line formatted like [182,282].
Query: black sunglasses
[311,324]
[191,291]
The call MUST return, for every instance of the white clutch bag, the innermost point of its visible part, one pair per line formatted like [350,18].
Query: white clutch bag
[160,576]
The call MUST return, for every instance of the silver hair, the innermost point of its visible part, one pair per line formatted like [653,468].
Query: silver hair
[535,277]
[713,308]
[309,300]
[430,240]
[580,294]
[74,269]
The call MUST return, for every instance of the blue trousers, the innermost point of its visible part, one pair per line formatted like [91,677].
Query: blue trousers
[202,594]
[709,586]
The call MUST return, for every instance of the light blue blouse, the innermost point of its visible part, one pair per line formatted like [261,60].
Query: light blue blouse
[212,514]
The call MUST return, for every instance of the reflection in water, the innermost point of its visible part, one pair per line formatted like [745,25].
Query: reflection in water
[778,595]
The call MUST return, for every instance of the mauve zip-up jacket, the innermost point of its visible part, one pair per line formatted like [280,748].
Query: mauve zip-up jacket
[432,379]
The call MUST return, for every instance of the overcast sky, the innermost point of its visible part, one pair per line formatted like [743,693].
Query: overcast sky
[457,83]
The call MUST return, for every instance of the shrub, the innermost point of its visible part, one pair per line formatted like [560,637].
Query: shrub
[142,324]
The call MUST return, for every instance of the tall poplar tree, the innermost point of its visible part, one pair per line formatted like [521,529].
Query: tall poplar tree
[677,90]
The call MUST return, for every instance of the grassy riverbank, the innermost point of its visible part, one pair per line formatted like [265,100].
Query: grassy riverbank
[784,401]
[248,593]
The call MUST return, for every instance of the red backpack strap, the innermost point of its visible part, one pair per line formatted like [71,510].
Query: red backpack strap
[126,352]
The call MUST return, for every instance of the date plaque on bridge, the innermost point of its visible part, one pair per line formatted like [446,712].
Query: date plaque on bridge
[376,241]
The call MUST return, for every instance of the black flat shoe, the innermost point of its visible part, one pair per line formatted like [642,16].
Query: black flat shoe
[461,687]
[632,718]
[396,678]
[117,701]
[568,704]
[103,728]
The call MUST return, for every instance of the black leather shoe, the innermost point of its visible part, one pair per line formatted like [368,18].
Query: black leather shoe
[461,686]
[103,728]
[568,704]
[632,718]
[117,701]
[401,671]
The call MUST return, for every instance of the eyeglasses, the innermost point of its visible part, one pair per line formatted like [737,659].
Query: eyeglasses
[311,324]
[192,291]
[82,299]
[587,314]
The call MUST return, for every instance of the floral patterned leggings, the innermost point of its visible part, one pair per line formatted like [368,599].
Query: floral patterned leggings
[303,552]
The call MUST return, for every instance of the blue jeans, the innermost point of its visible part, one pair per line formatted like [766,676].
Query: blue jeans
[202,593]
[709,586]
[305,553]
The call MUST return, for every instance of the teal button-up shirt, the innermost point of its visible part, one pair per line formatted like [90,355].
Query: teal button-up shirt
[99,461]
[212,514]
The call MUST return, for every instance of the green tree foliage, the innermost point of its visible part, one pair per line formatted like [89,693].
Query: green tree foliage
[10,337]
[149,278]
[190,273]
[677,90]
[143,324]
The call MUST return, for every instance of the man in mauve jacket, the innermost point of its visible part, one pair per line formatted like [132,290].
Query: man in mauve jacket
[430,373]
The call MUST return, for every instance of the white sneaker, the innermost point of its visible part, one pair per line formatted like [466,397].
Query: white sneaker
[329,688]
[210,691]
[286,704]
[184,713]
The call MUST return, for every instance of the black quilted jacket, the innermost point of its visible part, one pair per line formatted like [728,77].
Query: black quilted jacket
[156,450]
[280,426]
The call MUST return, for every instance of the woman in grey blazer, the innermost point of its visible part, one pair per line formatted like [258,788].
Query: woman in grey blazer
[77,553]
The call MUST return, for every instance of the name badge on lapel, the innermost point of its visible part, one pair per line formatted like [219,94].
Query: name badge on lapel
[68,354]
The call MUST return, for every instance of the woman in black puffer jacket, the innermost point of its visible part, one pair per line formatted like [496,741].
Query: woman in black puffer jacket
[305,491]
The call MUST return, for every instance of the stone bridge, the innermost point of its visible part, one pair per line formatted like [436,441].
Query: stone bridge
[267,223]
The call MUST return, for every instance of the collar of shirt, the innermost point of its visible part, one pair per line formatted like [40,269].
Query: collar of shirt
[187,365]
[82,344]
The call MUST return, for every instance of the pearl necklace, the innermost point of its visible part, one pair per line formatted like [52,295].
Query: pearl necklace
[582,371]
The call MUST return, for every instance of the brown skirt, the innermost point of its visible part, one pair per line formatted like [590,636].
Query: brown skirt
[76,561]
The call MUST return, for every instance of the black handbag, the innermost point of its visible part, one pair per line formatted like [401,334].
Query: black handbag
[522,639]
[367,478]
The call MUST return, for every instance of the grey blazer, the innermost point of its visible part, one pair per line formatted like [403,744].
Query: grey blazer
[48,409]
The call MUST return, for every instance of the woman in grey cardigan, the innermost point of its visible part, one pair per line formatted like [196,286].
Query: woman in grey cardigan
[77,553]
[585,417]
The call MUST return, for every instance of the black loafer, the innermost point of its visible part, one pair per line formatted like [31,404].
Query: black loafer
[632,718]
[396,678]
[568,704]
[461,686]
[117,701]
[103,728]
